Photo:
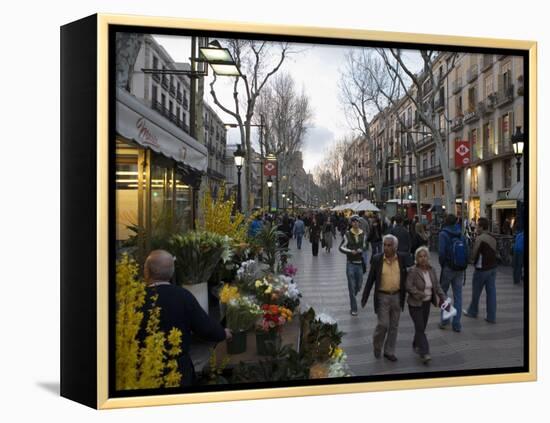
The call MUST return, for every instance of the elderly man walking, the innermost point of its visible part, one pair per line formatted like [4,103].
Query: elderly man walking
[388,275]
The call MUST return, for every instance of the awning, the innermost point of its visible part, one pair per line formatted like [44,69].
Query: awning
[516,193]
[505,204]
[136,121]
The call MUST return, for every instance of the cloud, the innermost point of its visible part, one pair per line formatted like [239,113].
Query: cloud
[317,140]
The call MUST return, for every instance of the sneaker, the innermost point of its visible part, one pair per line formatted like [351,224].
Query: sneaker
[465,312]
[353,313]
[458,330]
[426,358]
[490,321]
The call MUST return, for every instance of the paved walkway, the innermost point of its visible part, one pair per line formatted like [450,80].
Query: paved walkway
[480,345]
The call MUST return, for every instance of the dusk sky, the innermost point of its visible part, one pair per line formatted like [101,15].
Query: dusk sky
[316,70]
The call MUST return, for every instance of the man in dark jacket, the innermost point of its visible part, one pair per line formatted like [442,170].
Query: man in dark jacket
[451,277]
[388,275]
[485,273]
[178,309]
[404,238]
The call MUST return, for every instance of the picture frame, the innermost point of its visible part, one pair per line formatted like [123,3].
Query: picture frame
[88,123]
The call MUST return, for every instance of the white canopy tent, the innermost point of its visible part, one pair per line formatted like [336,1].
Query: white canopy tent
[366,205]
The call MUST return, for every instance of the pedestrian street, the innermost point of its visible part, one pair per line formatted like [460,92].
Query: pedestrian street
[480,345]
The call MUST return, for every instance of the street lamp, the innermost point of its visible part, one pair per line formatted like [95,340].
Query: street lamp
[239,160]
[269,185]
[517,144]
[220,59]
[284,205]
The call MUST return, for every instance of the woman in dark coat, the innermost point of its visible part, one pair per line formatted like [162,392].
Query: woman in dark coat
[419,238]
[314,235]
[375,236]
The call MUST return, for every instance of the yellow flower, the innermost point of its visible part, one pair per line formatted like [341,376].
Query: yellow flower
[229,293]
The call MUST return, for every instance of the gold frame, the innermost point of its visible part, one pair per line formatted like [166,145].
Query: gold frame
[103,21]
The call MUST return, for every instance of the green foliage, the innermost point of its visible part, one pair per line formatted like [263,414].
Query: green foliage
[241,314]
[197,255]
[319,339]
[284,364]
[267,243]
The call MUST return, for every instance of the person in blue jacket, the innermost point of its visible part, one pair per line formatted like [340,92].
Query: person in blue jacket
[518,256]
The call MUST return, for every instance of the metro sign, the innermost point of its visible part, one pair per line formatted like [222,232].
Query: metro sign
[462,153]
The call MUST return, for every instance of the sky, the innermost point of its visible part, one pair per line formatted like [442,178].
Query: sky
[316,71]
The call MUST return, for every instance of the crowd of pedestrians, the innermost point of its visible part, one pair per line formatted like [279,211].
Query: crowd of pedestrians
[393,257]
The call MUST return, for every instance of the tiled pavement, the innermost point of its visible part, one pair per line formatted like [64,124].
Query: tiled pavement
[480,345]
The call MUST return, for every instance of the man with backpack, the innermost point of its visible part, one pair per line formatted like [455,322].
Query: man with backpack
[453,258]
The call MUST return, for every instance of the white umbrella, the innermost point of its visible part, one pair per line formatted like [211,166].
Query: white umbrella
[352,206]
[366,205]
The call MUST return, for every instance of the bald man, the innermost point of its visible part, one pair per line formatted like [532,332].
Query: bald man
[178,309]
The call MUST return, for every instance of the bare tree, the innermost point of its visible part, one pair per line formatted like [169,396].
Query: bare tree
[422,92]
[328,174]
[285,116]
[258,61]
[366,91]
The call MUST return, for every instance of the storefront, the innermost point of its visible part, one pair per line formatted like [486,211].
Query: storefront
[158,175]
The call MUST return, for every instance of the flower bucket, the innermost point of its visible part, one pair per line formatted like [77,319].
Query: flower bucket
[200,292]
[266,340]
[237,345]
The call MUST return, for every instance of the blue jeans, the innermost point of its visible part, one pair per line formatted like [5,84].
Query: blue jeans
[518,267]
[487,279]
[354,272]
[365,255]
[454,279]
[299,241]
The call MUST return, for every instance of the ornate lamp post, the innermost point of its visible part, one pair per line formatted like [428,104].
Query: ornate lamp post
[517,144]
[239,160]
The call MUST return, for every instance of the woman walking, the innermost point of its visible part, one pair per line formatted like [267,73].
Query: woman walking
[329,233]
[419,237]
[424,290]
[314,235]
[375,236]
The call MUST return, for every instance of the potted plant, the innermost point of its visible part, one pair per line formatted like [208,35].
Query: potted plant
[241,314]
[268,330]
[197,254]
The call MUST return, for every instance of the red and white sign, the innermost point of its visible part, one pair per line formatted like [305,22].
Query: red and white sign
[462,153]
[270,168]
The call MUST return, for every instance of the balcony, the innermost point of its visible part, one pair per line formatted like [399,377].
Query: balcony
[487,62]
[165,82]
[173,90]
[183,125]
[430,172]
[471,115]
[458,123]
[160,108]
[457,85]
[185,103]
[472,73]
[424,142]
[179,97]
[494,150]
[439,103]
[505,95]
[156,77]
[488,105]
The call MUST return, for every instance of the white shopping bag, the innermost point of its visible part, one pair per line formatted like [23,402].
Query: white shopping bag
[448,310]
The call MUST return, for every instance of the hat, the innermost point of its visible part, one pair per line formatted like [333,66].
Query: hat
[354,217]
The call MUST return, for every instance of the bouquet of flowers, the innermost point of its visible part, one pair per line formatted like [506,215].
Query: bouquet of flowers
[274,317]
[247,274]
[321,336]
[228,293]
[290,270]
[242,313]
[278,289]
[337,364]
[197,255]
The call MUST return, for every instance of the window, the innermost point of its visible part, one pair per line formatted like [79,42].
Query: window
[170,107]
[425,161]
[507,173]
[458,186]
[488,85]
[154,94]
[489,177]
[488,141]
[474,181]
[178,110]
[472,99]
[163,100]
[155,62]
[432,158]
[425,190]
[433,189]
[458,106]
[442,188]
[476,147]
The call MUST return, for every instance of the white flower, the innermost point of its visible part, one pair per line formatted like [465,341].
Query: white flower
[286,279]
[325,318]
[293,292]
